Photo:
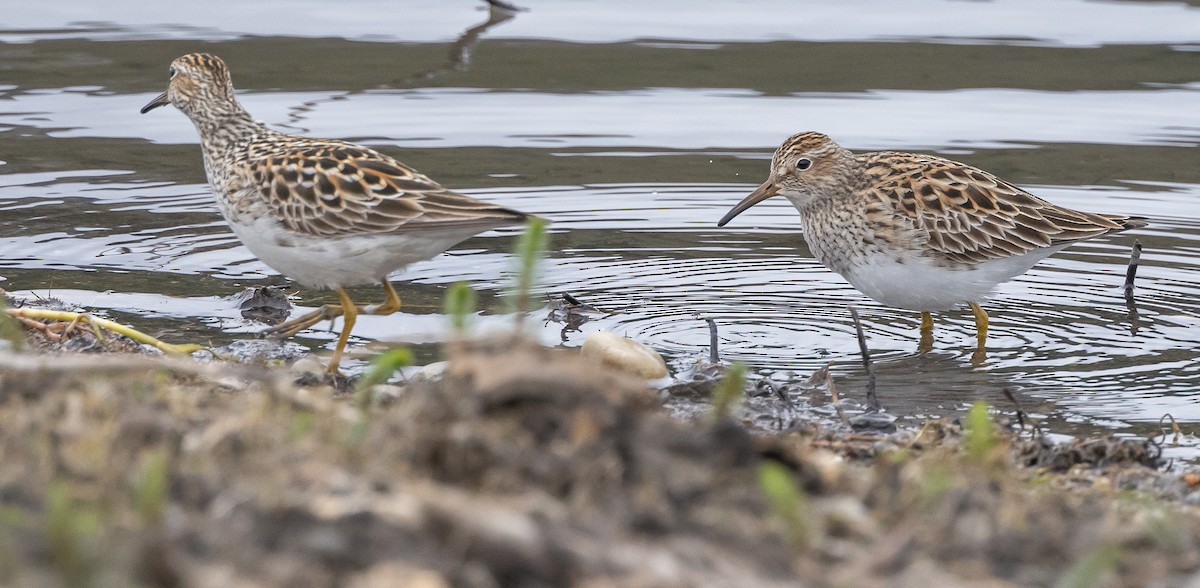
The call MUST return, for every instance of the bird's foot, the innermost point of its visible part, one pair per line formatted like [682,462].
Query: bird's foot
[381,309]
[291,327]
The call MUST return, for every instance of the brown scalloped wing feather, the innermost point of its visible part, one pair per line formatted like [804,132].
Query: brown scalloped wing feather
[971,216]
[333,189]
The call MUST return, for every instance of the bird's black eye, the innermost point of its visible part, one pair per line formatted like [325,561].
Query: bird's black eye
[803,163]
[171,72]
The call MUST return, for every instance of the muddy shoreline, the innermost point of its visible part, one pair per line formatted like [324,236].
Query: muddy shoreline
[528,466]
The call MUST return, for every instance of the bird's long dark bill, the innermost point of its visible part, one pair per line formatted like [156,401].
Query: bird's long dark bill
[766,190]
[160,100]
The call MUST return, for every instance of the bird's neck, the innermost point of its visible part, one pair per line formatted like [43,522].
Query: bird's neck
[224,126]
[851,174]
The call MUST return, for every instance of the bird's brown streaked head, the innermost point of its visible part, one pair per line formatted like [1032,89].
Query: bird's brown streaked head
[807,166]
[198,83]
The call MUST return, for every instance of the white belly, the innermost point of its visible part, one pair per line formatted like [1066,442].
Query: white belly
[920,284]
[334,262]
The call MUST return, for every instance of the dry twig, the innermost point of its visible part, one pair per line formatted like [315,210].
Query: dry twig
[713,354]
[872,399]
[29,316]
[833,394]
[1135,258]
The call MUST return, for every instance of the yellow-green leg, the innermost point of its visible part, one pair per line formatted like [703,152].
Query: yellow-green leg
[926,343]
[390,305]
[981,329]
[351,313]
[289,328]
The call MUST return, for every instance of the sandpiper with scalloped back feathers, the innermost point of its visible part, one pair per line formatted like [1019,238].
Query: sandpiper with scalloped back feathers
[323,212]
[916,231]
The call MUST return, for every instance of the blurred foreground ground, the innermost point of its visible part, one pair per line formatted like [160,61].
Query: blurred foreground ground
[525,466]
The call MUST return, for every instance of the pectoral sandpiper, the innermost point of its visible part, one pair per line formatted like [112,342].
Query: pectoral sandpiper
[918,231]
[325,213]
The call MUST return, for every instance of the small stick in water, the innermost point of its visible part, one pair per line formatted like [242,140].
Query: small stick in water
[1022,417]
[574,301]
[505,5]
[1174,427]
[713,355]
[833,394]
[1020,413]
[1135,257]
[872,400]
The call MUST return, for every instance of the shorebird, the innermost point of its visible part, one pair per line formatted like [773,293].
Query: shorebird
[323,212]
[918,231]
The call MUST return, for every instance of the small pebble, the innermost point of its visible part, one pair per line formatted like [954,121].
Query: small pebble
[829,467]
[430,373]
[386,393]
[624,354]
[308,365]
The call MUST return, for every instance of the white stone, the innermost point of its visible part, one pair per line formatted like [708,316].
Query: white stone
[624,354]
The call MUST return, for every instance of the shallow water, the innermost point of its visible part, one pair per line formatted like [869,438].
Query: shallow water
[634,126]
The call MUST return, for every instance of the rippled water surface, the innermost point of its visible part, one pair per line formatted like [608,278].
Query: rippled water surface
[634,126]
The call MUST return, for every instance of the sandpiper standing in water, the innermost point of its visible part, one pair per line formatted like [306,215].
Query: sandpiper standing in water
[918,231]
[325,213]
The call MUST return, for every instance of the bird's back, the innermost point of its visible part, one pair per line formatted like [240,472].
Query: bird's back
[969,215]
[326,188]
